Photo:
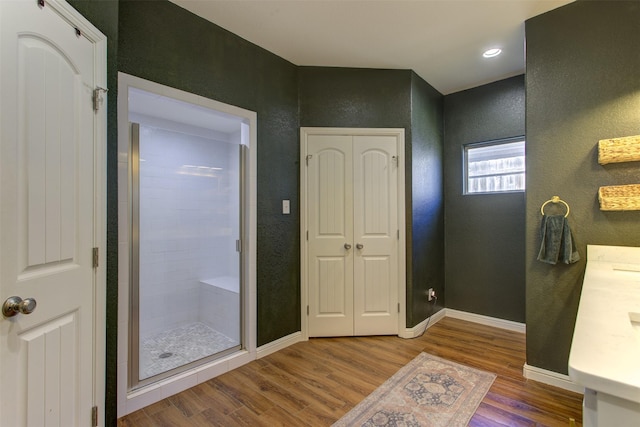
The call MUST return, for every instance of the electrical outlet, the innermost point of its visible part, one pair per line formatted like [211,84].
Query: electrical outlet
[430,294]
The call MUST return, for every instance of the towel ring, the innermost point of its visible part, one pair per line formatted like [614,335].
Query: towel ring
[555,199]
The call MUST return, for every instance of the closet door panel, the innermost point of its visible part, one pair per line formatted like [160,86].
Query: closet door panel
[375,183]
[330,217]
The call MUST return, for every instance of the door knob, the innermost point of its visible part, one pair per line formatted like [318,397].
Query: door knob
[359,245]
[15,305]
[347,246]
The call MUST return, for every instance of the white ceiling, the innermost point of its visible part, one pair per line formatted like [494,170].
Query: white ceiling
[441,40]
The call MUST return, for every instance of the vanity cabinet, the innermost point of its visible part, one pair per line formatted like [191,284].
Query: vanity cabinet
[605,351]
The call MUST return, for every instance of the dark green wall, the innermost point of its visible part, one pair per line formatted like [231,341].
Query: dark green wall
[425,220]
[484,233]
[351,97]
[355,97]
[164,43]
[583,85]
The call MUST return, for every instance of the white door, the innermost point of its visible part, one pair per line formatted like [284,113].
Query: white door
[375,182]
[330,222]
[352,220]
[49,190]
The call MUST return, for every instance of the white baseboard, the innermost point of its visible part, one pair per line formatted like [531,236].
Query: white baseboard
[551,378]
[530,372]
[486,320]
[279,344]
[419,329]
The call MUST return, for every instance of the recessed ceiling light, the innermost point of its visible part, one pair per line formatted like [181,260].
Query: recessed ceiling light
[491,53]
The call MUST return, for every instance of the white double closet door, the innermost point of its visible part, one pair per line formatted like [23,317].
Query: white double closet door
[352,261]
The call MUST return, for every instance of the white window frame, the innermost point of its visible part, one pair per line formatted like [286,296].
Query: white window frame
[515,168]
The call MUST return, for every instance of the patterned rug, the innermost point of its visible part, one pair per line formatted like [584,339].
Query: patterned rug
[429,391]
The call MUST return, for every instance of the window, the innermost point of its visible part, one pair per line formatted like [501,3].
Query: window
[494,167]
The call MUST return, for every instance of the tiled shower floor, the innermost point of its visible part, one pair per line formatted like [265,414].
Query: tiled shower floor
[184,344]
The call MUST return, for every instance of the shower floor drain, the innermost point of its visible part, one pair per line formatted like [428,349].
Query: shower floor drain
[165,355]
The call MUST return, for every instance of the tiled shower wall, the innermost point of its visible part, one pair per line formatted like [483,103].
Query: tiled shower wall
[188,223]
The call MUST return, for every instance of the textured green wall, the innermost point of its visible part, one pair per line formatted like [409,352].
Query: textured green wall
[425,219]
[484,233]
[354,97]
[164,43]
[582,85]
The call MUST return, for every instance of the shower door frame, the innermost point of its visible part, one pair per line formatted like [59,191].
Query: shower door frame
[135,381]
[145,392]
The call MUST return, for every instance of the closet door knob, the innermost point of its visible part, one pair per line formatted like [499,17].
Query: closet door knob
[359,245]
[347,246]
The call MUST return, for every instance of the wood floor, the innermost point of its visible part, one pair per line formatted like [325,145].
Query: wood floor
[314,383]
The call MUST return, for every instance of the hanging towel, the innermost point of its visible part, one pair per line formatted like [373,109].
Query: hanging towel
[557,241]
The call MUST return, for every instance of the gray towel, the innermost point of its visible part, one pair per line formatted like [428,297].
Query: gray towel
[557,241]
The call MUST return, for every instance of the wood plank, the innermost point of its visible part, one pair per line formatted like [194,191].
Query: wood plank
[311,393]
[212,396]
[316,382]
[251,398]
[188,403]
[169,417]
[279,396]
[136,419]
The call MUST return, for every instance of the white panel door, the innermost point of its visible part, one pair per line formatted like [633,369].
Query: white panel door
[352,220]
[375,186]
[330,219]
[47,153]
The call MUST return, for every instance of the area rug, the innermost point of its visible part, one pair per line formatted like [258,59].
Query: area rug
[429,391]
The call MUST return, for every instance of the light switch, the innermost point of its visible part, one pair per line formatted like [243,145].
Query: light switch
[285,207]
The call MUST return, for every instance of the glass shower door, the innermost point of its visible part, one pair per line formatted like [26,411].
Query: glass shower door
[186,193]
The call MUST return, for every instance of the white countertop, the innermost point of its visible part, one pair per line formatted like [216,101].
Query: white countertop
[605,351]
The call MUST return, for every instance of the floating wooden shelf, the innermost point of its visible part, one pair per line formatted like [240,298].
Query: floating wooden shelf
[617,150]
[619,197]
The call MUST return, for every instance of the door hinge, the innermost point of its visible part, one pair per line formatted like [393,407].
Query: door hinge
[94,416]
[96,257]
[307,310]
[238,246]
[97,98]
[398,307]
[398,234]
[308,158]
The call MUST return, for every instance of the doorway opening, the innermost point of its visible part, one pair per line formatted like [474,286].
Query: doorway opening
[186,185]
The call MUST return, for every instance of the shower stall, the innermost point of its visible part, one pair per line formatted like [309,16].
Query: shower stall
[187,212]
[185,257]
